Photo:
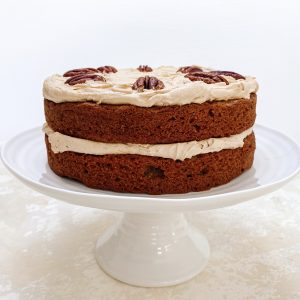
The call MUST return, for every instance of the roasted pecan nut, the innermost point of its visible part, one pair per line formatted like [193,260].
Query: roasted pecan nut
[107,69]
[206,77]
[189,69]
[81,71]
[144,68]
[148,83]
[83,78]
[228,73]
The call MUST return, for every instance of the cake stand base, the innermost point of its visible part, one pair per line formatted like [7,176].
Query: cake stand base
[152,250]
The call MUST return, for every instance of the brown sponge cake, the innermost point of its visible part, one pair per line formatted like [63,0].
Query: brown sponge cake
[154,175]
[150,130]
[151,125]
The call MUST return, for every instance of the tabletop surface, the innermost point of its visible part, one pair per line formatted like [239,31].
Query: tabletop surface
[46,249]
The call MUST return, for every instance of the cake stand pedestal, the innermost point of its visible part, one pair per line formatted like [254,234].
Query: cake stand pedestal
[152,249]
[153,244]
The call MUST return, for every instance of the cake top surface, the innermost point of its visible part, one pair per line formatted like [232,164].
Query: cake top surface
[146,86]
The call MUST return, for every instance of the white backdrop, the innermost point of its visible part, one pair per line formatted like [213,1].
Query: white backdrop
[260,38]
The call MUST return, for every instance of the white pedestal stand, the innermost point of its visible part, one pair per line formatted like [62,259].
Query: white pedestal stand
[152,250]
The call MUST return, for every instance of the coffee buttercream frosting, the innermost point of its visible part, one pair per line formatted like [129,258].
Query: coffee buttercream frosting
[62,143]
[177,90]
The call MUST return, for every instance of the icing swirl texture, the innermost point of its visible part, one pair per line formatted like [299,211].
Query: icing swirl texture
[178,90]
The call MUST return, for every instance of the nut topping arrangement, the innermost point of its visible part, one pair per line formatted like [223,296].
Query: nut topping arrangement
[81,71]
[144,68]
[228,73]
[189,69]
[107,69]
[206,77]
[84,74]
[82,78]
[148,83]
[193,73]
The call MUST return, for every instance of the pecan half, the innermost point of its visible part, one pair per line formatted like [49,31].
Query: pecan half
[107,69]
[206,77]
[228,73]
[82,78]
[189,69]
[81,71]
[144,68]
[148,83]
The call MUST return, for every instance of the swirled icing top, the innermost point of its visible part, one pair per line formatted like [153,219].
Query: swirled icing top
[178,90]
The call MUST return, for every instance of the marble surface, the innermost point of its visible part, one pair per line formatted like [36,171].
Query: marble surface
[46,250]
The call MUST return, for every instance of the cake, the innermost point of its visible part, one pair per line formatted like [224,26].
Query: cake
[150,130]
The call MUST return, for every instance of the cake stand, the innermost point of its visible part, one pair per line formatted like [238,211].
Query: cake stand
[153,245]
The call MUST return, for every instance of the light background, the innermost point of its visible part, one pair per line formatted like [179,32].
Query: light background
[259,38]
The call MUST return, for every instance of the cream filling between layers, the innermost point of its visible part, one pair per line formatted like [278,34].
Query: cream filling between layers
[62,143]
[117,89]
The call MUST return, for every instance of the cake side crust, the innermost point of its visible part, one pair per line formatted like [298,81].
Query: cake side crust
[153,175]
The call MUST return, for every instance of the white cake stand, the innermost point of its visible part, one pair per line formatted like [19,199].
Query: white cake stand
[153,245]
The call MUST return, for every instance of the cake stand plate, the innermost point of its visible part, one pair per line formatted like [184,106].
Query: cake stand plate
[153,245]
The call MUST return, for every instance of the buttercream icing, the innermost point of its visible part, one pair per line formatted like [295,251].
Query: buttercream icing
[178,90]
[61,143]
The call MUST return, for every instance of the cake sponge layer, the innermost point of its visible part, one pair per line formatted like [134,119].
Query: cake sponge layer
[153,125]
[153,175]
